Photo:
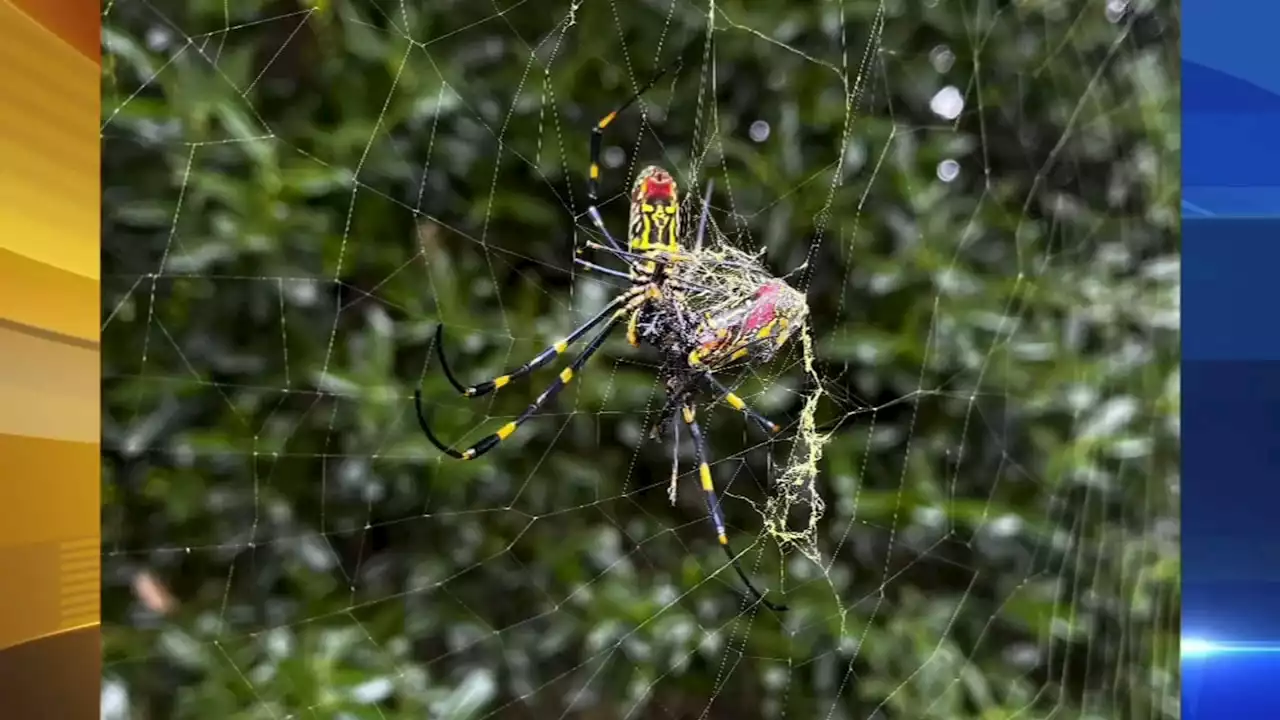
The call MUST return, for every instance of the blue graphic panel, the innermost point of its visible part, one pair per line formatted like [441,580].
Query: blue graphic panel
[1231,353]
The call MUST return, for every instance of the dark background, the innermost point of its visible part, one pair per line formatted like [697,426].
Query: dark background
[295,195]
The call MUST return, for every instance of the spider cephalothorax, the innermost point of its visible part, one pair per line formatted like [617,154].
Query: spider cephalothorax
[701,309]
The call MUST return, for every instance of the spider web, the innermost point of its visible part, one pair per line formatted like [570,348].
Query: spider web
[971,509]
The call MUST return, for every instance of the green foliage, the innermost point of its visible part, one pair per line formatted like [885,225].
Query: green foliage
[296,194]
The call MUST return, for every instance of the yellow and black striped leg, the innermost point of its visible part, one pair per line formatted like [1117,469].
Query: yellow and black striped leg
[488,443]
[713,506]
[597,145]
[542,358]
[593,177]
[741,406]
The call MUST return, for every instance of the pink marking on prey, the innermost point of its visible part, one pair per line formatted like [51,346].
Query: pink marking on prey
[766,308]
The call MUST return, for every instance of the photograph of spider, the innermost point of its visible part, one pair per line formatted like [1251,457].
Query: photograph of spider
[704,309]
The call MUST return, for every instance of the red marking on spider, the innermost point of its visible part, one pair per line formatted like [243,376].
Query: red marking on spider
[660,187]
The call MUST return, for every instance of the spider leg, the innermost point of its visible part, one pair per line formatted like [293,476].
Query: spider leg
[665,415]
[542,358]
[675,462]
[740,405]
[614,246]
[713,506]
[597,132]
[597,142]
[633,328]
[702,217]
[488,443]
[601,269]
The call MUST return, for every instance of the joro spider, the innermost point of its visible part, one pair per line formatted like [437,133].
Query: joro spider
[702,310]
